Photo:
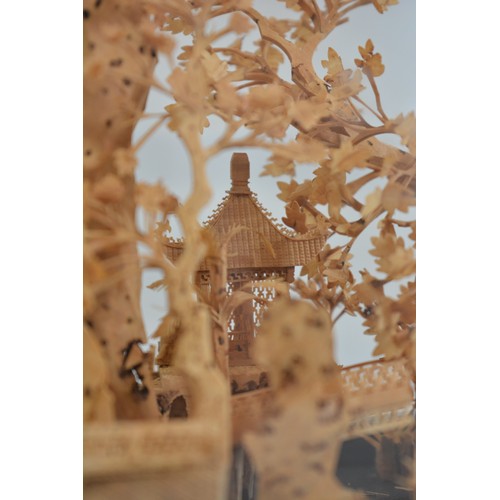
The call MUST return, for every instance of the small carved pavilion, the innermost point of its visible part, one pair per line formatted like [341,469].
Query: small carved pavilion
[263,250]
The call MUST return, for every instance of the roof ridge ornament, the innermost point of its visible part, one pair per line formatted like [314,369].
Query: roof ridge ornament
[240,174]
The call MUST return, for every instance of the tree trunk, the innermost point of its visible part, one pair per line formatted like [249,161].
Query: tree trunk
[118,64]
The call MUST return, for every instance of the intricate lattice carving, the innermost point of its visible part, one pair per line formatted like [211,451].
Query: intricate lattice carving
[245,320]
[365,378]
[248,275]
[379,396]
[264,295]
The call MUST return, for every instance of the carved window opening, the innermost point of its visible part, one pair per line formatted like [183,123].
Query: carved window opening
[178,408]
[246,319]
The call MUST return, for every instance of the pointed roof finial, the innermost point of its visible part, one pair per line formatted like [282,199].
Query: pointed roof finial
[240,173]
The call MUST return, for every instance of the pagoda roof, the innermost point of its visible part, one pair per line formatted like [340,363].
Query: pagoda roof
[261,241]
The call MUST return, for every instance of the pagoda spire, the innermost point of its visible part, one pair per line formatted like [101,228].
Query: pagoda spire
[240,173]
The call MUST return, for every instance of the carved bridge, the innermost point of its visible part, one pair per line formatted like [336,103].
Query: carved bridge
[380,396]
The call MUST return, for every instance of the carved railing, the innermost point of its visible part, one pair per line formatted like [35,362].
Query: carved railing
[379,396]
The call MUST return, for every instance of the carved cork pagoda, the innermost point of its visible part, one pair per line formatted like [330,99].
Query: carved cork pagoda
[380,394]
[262,250]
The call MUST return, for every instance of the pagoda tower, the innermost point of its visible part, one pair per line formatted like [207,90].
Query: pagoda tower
[262,250]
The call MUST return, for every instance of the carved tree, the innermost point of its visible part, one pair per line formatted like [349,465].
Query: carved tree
[245,90]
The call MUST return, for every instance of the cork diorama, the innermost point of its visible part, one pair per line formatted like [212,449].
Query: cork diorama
[243,397]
